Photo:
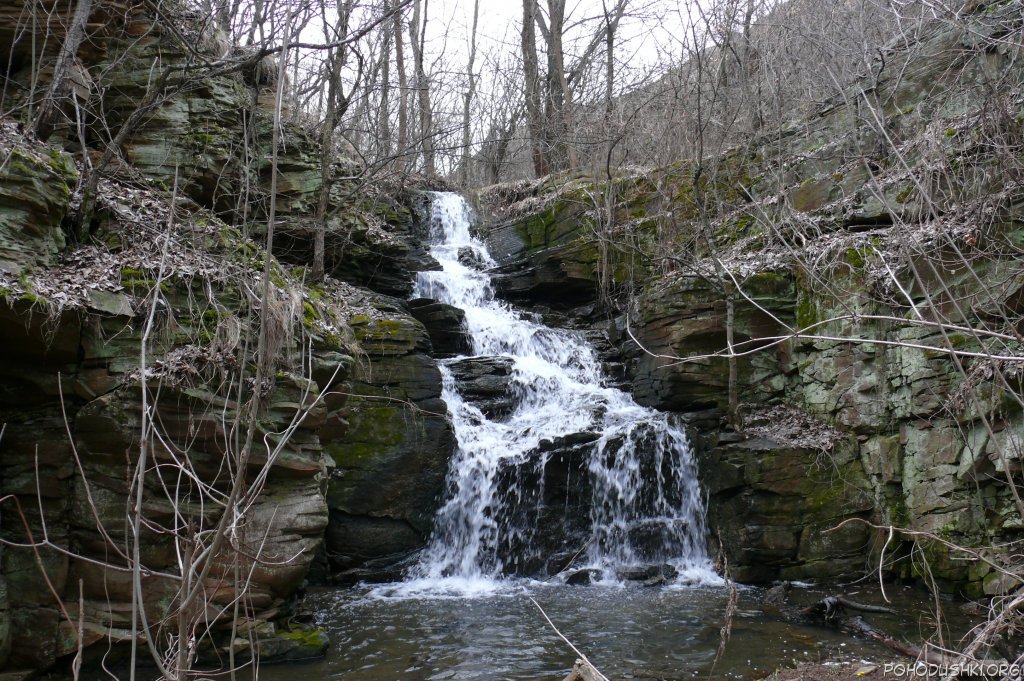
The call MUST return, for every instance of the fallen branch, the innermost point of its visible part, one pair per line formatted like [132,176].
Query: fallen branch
[572,560]
[859,626]
[581,664]
[831,608]
[865,607]
[584,671]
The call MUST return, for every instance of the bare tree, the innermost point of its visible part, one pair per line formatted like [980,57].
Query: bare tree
[336,104]
[55,94]
[468,100]
[531,73]
[417,40]
[403,94]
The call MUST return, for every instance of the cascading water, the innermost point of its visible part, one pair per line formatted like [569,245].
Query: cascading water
[644,505]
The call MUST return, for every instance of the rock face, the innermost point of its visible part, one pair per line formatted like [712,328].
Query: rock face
[196,134]
[354,449]
[212,139]
[446,325]
[863,294]
[558,254]
[920,464]
[377,243]
[287,521]
[486,382]
[348,437]
[686,316]
[772,505]
[390,467]
[564,273]
[551,501]
[34,197]
[84,483]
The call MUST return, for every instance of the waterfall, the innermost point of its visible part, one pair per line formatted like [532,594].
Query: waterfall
[643,505]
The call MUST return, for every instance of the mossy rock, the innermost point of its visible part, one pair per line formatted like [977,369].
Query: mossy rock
[35,190]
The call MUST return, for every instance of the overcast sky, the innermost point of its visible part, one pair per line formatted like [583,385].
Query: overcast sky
[650,28]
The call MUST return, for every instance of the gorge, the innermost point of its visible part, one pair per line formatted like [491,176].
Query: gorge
[621,391]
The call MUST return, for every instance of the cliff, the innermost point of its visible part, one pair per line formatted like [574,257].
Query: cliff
[867,264]
[142,335]
[864,261]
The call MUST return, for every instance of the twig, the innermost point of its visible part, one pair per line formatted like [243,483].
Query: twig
[76,664]
[573,559]
[730,610]
[39,559]
[881,563]
[562,636]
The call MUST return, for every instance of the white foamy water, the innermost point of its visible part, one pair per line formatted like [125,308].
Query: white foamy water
[645,505]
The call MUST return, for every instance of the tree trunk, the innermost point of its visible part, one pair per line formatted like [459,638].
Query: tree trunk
[735,418]
[384,112]
[335,60]
[559,117]
[46,116]
[497,160]
[468,99]
[609,87]
[747,68]
[532,85]
[419,23]
[554,104]
[403,95]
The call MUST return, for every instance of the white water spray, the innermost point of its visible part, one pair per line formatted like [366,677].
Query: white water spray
[645,505]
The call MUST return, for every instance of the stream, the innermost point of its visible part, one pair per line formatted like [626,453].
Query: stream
[632,504]
[628,632]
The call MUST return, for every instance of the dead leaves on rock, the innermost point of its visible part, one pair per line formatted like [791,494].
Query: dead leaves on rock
[790,427]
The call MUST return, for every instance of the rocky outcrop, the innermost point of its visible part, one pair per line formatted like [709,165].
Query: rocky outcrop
[209,134]
[194,137]
[34,198]
[446,325]
[376,242]
[349,413]
[566,274]
[390,467]
[865,292]
[139,338]
[75,429]
[486,383]
[551,246]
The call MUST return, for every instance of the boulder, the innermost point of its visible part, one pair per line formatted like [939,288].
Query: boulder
[391,463]
[548,498]
[584,577]
[649,575]
[486,383]
[446,326]
[35,189]
[469,257]
[292,643]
